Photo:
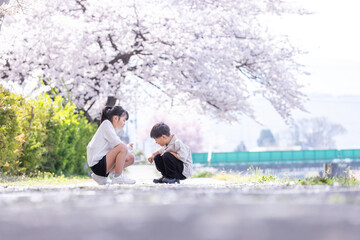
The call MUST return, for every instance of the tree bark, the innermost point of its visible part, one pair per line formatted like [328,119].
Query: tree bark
[111,100]
[2,16]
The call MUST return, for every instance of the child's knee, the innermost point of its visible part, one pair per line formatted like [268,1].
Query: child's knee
[122,148]
[131,159]
[157,157]
[167,155]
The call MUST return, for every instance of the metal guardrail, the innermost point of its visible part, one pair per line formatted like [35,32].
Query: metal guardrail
[276,157]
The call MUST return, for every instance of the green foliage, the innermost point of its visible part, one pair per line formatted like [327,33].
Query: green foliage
[316,181]
[140,157]
[11,138]
[42,134]
[256,175]
[269,178]
[251,175]
[344,181]
[43,179]
[68,135]
[204,174]
[139,153]
[32,122]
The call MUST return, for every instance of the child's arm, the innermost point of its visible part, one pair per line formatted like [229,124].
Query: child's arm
[175,154]
[151,159]
[176,149]
[180,150]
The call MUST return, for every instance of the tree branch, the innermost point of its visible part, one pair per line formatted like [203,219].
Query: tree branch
[211,104]
[83,8]
[112,42]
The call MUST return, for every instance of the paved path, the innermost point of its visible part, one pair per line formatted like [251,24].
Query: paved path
[196,209]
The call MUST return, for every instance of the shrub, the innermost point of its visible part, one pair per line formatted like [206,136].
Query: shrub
[42,135]
[32,122]
[68,135]
[11,139]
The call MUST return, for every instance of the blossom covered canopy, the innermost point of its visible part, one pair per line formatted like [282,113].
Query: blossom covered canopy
[208,55]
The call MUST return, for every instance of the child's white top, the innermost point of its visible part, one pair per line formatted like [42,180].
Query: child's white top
[102,142]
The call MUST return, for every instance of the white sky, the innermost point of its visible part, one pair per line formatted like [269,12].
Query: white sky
[332,38]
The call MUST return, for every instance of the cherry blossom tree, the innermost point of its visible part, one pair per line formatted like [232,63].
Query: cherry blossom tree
[5,7]
[210,55]
[13,6]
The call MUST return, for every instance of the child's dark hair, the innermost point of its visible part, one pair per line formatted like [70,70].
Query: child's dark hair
[160,129]
[109,112]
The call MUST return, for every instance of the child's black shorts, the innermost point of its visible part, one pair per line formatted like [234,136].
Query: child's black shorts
[100,168]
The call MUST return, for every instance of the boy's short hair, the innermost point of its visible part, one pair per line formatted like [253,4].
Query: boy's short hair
[160,129]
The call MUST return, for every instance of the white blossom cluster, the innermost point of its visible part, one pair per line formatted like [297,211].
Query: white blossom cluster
[208,55]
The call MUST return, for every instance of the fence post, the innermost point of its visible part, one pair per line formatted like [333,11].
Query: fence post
[328,170]
[209,158]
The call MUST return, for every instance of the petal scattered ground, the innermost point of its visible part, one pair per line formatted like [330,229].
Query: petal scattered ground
[195,209]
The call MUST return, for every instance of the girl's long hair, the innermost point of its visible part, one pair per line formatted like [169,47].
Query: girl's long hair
[109,112]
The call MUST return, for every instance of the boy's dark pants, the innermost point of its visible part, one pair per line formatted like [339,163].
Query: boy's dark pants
[169,166]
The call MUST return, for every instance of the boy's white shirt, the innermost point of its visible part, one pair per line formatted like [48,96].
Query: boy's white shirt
[102,142]
[183,151]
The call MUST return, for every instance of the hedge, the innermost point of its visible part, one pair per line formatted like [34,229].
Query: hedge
[42,135]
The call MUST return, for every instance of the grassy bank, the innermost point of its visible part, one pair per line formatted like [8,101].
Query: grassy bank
[43,179]
[258,176]
[250,176]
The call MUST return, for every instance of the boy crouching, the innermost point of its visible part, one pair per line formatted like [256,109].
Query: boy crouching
[173,159]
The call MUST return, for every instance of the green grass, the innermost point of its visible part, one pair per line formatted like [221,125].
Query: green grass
[343,181]
[239,178]
[252,175]
[42,179]
[203,175]
[258,176]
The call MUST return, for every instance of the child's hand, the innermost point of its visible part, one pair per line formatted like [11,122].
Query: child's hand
[151,159]
[130,146]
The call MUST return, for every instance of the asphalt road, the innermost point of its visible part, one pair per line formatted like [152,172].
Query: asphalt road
[197,209]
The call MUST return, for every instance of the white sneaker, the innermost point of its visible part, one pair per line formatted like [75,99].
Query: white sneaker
[99,179]
[111,175]
[122,179]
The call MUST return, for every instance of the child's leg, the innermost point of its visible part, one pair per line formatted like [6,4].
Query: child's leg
[159,163]
[129,160]
[173,166]
[116,158]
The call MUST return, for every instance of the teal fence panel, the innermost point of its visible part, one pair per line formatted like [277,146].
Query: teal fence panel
[297,156]
[287,156]
[200,158]
[277,157]
[350,154]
